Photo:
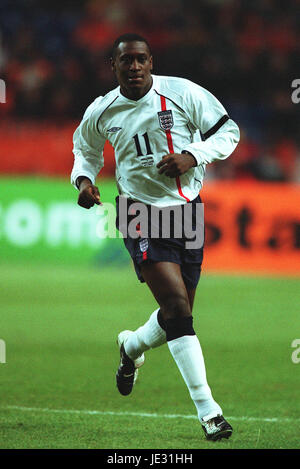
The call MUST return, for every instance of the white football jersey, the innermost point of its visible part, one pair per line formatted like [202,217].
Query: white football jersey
[175,115]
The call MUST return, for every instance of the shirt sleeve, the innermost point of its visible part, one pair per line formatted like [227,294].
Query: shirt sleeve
[220,134]
[88,146]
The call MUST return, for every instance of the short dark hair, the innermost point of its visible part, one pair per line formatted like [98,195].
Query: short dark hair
[128,37]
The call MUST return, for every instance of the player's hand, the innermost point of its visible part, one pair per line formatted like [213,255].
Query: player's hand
[88,195]
[176,164]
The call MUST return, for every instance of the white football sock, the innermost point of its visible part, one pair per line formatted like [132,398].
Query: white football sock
[187,353]
[150,335]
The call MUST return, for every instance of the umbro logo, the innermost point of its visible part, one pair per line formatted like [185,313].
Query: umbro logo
[114,129]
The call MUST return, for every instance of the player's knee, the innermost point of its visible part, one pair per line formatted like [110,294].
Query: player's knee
[179,326]
[175,306]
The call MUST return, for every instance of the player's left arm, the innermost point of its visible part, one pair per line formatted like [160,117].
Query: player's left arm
[220,134]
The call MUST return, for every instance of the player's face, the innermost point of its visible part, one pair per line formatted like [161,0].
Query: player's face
[132,67]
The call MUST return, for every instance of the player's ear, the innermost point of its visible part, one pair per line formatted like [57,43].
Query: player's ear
[112,64]
[151,63]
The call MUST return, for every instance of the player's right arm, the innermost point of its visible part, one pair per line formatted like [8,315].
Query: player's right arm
[88,193]
[88,144]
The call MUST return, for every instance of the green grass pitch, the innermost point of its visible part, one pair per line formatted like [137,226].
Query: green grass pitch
[58,389]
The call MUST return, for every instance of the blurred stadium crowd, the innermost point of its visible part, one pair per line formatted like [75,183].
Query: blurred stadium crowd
[54,58]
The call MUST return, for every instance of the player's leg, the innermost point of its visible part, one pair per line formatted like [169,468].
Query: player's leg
[168,287]
[191,292]
[152,334]
[217,427]
[170,290]
[132,346]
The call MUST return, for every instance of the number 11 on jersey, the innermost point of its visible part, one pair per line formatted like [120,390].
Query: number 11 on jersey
[145,160]
[138,145]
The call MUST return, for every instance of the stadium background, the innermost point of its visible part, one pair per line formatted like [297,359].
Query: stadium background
[54,60]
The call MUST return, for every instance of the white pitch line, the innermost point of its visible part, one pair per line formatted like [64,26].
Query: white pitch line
[144,414]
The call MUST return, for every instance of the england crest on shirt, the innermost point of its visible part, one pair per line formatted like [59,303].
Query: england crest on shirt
[144,245]
[165,119]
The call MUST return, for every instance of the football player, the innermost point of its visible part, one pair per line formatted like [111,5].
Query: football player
[164,131]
